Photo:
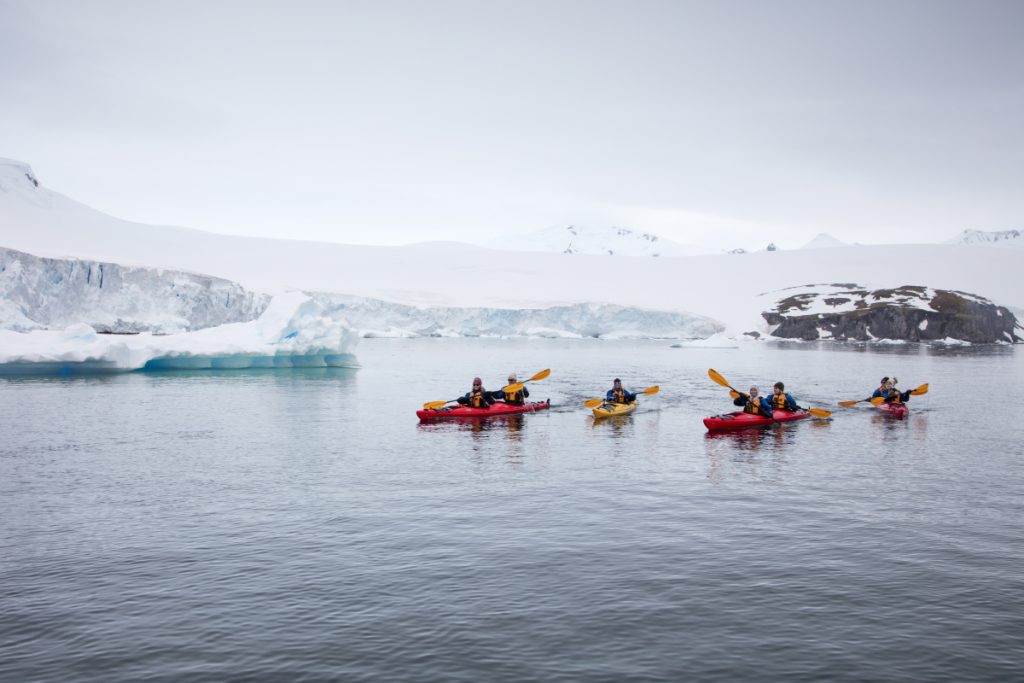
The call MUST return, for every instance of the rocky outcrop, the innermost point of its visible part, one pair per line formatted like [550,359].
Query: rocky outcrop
[847,312]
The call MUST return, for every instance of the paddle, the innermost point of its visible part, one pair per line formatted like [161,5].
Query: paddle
[595,402]
[718,379]
[518,386]
[878,400]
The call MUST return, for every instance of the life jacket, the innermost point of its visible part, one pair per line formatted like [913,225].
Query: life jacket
[515,397]
[476,399]
[619,395]
[779,401]
[894,396]
[754,406]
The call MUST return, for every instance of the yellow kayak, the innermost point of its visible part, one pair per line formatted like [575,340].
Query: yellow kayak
[614,409]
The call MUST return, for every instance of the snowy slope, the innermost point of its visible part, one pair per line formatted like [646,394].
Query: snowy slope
[722,287]
[998,238]
[611,241]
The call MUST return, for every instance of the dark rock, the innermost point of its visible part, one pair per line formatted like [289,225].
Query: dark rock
[885,314]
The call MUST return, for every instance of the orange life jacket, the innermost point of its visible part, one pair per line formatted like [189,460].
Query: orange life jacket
[619,395]
[779,401]
[476,399]
[754,406]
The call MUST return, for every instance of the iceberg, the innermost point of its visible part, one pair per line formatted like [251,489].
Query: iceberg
[293,331]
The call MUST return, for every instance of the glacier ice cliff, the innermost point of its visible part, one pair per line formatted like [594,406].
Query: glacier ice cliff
[47,293]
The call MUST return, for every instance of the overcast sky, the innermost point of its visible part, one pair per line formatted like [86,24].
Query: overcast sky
[713,123]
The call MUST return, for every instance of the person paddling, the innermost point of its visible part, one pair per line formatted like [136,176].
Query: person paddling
[754,404]
[513,398]
[890,393]
[781,400]
[477,397]
[619,395]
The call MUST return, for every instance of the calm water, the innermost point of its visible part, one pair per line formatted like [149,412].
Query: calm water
[301,525]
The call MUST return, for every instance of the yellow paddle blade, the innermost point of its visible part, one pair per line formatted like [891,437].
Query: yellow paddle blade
[734,394]
[920,391]
[651,390]
[593,403]
[434,405]
[717,378]
[818,412]
[513,388]
[847,404]
[540,375]
[878,400]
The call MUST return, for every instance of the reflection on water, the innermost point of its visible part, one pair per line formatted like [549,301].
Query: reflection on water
[300,511]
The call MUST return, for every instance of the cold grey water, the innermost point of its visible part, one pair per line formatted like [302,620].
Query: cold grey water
[301,525]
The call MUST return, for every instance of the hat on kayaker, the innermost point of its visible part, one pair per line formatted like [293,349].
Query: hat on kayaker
[477,381]
[617,381]
[511,377]
[884,380]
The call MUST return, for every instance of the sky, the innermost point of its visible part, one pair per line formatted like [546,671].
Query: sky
[717,124]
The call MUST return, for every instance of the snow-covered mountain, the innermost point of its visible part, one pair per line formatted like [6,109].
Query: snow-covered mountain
[611,241]
[722,288]
[998,238]
[823,240]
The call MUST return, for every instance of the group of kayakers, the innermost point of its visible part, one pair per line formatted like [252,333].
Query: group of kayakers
[752,402]
[780,399]
[515,394]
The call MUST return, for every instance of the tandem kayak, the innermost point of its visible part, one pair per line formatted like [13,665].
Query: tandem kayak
[497,410]
[614,409]
[741,420]
[893,409]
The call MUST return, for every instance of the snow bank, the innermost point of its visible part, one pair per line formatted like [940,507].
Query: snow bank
[293,331]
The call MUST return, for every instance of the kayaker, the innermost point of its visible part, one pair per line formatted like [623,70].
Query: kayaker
[781,400]
[754,404]
[619,395]
[890,393]
[477,397]
[513,398]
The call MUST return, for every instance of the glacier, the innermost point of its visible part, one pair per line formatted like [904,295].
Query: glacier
[293,331]
[378,318]
[47,293]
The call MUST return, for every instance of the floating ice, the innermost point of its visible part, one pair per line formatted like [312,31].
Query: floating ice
[294,331]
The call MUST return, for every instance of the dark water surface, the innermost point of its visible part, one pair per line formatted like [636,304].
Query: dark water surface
[300,525]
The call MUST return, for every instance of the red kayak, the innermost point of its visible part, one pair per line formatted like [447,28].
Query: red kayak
[499,409]
[894,409]
[741,420]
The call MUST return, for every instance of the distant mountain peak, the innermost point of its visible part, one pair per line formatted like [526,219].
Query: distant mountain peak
[578,239]
[823,240]
[1002,238]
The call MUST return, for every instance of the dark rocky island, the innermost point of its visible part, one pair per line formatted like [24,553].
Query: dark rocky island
[848,312]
